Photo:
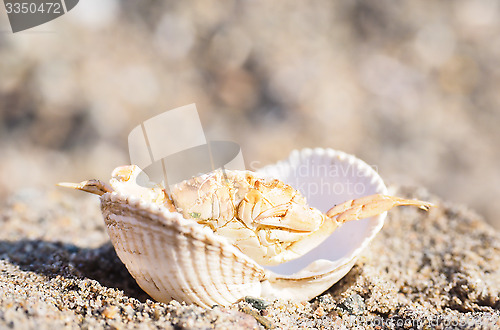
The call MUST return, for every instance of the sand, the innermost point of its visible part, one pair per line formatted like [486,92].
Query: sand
[423,270]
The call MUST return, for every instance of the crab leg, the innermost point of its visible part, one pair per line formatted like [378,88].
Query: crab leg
[91,186]
[356,209]
[100,188]
[369,206]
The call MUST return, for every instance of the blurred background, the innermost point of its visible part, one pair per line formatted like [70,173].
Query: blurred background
[410,87]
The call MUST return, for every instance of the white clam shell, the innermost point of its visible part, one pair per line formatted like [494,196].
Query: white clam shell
[175,258]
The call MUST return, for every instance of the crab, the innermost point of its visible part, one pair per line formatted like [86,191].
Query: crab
[264,218]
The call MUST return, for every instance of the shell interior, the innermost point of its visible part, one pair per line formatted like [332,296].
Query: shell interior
[326,178]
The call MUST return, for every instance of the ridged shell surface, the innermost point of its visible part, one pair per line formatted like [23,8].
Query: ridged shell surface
[175,258]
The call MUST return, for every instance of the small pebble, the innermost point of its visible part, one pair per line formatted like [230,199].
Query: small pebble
[110,312]
[257,303]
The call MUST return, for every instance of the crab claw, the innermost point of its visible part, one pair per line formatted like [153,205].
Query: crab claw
[357,209]
[369,206]
[92,186]
[291,216]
